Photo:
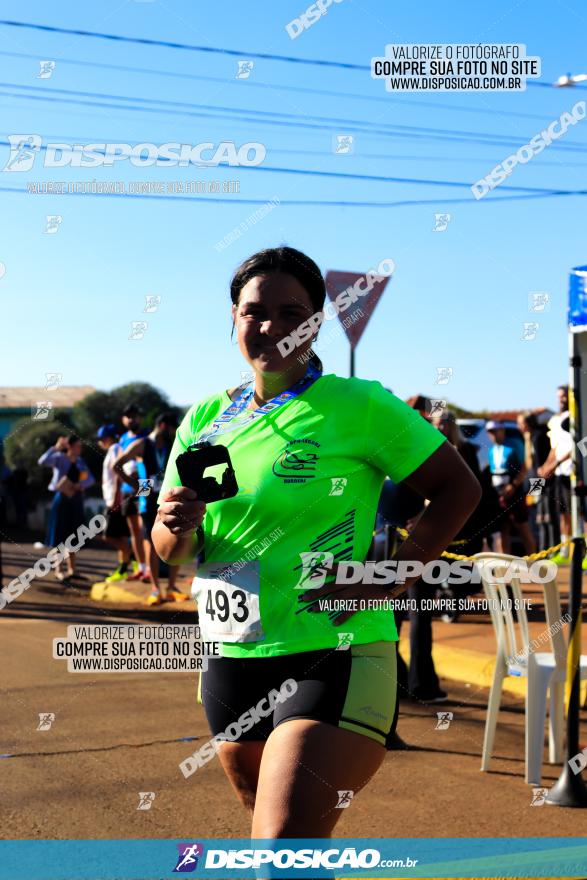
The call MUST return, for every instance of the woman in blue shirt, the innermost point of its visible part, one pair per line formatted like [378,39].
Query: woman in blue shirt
[71,476]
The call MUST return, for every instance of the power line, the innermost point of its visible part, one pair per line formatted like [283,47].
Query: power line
[254,84]
[252,120]
[239,53]
[263,113]
[89,139]
[307,202]
[412,157]
[290,120]
[372,178]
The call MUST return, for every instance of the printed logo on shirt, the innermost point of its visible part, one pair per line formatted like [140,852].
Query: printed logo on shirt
[332,545]
[297,463]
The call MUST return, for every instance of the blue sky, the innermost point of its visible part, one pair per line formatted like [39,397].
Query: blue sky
[458,298]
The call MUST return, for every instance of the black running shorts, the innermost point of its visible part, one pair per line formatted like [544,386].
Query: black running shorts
[354,688]
[116,524]
[128,506]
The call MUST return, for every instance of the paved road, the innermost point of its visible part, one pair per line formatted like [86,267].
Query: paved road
[115,735]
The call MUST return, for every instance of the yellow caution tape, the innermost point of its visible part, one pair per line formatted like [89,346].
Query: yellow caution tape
[531,558]
[405,534]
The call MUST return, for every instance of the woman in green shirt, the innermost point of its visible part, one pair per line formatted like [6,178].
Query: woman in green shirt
[302,698]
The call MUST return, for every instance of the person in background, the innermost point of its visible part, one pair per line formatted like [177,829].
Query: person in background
[508,472]
[446,423]
[71,476]
[4,491]
[401,506]
[560,463]
[131,419]
[18,488]
[154,451]
[537,449]
[117,532]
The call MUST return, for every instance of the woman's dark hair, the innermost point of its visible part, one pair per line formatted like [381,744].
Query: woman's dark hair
[289,261]
[73,438]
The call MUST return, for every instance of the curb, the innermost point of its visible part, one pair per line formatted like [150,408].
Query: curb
[470,667]
[135,594]
[103,592]
[476,668]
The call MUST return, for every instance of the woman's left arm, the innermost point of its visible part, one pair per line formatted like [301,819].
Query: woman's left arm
[454,493]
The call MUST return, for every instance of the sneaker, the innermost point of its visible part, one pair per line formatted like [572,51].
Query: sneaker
[176,596]
[137,575]
[117,575]
[559,559]
[145,576]
[431,697]
[155,599]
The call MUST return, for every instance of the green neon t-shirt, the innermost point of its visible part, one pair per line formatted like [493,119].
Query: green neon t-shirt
[310,475]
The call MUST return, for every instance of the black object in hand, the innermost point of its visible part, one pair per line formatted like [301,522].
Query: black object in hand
[192,464]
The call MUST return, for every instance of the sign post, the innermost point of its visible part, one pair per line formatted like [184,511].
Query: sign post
[569,790]
[355,317]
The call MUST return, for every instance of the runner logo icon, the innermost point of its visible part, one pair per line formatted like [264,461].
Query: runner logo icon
[46,719]
[314,567]
[146,799]
[187,860]
[23,149]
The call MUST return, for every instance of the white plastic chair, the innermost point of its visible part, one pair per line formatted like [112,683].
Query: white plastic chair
[543,671]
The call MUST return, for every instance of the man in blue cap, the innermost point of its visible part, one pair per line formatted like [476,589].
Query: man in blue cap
[117,533]
[508,472]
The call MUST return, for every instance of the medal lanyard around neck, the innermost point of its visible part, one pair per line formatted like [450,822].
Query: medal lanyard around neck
[221,425]
[499,457]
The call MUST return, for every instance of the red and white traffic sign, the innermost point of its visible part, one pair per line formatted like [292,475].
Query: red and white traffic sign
[354,319]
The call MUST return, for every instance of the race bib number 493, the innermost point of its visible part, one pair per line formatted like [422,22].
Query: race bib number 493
[228,601]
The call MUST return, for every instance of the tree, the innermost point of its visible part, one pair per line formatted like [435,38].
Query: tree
[101,407]
[94,410]
[459,412]
[28,441]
